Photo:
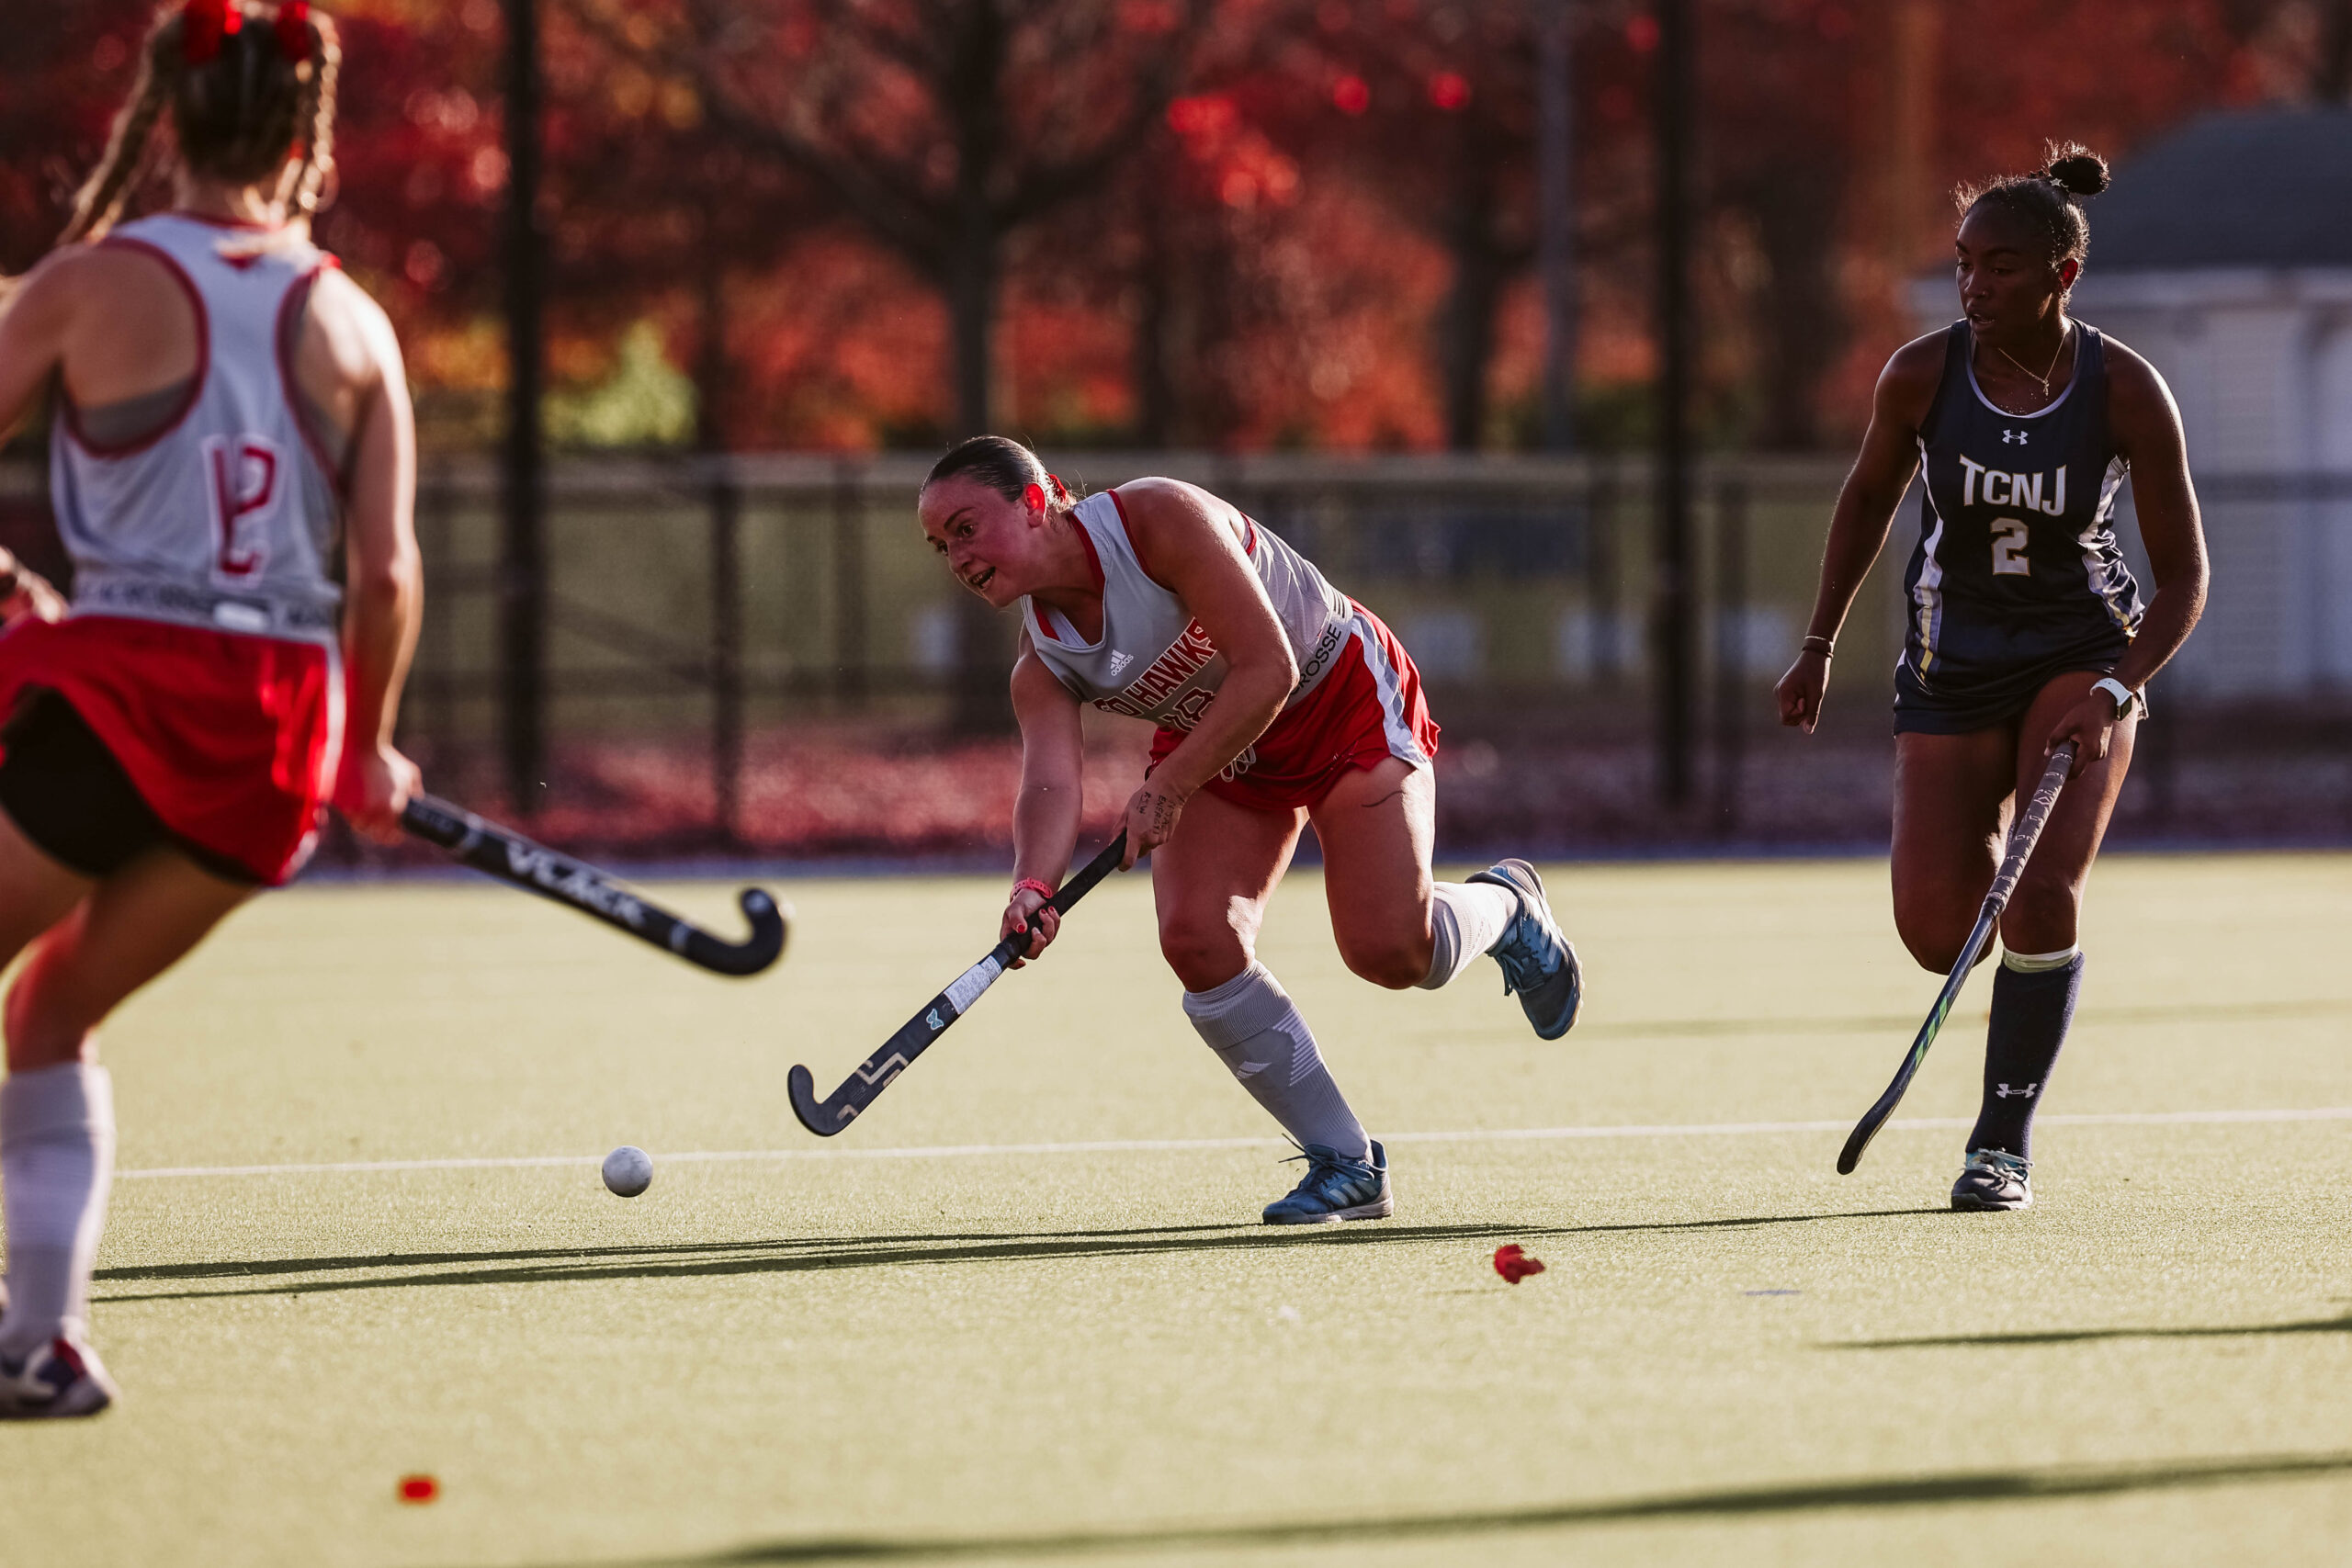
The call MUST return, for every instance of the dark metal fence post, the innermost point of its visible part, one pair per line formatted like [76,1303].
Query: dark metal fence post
[1603,605]
[1731,649]
[522,639]
[1672,621]
[1556,185]
[726,651]
[849,583]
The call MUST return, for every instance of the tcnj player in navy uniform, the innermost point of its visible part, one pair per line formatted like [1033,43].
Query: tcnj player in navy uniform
[2025,628]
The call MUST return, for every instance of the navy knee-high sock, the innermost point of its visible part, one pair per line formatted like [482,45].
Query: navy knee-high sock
[2033,1001]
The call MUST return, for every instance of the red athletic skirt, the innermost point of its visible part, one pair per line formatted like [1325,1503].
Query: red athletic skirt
[232,740]
[1369,707]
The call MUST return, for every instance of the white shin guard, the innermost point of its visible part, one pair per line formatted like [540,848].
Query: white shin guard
[56,1166]
[1252,1025]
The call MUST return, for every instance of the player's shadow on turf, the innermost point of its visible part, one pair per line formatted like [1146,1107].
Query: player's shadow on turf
[798,1255]
[702,1259]
[1966,1486]
[2082,1336]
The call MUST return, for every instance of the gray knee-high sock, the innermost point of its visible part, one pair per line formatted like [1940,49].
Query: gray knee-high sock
[1251,1024]
[1466,918]
[56,1165]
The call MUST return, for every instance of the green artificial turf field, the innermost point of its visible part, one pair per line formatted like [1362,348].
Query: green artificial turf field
[1078,1354]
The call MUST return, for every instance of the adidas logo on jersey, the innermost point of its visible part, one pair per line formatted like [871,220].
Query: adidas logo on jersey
[1119,662]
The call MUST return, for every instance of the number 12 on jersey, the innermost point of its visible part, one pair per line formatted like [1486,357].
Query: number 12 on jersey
[2010,536]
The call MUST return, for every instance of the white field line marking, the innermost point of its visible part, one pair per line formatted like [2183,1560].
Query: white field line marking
[1153,1145]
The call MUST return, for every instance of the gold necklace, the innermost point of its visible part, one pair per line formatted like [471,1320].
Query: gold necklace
[2041,380]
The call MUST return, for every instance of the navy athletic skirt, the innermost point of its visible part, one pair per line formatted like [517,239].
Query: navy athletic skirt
[1963,707]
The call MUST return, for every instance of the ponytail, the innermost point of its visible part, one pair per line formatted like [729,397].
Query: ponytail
[99,201]
[304,188]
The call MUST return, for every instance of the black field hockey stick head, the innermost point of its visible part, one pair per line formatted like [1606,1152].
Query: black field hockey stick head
[2023,836]
[510,858]
[865,1083]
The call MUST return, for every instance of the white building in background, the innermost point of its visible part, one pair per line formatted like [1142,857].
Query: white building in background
[2223,252]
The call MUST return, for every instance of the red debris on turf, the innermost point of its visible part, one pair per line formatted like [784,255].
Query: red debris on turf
[424,1488]
[1513,1264]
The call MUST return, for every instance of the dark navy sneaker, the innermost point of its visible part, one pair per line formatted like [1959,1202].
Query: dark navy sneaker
[1994,1178]
[1335,1188]
[59,1379]
[1538,964]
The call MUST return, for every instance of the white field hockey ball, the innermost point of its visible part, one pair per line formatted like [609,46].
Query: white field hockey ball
[628,1170]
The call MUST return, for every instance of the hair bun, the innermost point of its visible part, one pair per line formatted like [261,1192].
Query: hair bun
[2077,169]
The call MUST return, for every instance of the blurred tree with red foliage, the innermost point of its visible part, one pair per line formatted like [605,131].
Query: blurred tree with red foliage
[1217,222]
[942,125]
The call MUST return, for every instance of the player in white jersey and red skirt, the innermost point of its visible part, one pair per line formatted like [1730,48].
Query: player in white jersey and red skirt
[1278,701]
[233,416]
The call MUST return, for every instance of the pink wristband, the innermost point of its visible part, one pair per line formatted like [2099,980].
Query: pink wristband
[1030,884]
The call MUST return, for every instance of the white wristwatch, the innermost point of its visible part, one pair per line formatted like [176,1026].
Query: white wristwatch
[2124,697]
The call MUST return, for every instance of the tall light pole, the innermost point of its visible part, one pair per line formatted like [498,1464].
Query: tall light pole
[522,560]
[1556,185]
[1673,623]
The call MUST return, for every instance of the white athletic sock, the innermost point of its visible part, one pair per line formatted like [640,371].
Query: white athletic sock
[1251,1024]
[56,1165]
[2035,963]
[1466,918]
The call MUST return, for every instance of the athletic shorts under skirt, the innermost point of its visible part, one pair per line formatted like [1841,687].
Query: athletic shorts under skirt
[1370,708]
[232,742]
[1921,709]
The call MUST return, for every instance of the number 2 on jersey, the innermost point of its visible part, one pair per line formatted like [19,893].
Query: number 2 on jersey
[2009,539]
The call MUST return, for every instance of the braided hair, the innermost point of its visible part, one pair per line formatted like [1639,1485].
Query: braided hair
[2048,201]
[243,80]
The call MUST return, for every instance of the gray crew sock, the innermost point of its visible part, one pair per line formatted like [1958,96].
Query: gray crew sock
[1251,1024]
[56,1165]
[1466,918]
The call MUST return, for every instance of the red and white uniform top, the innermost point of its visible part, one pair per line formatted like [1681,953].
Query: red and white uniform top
[1358,699]
[1154,660]
[224,512]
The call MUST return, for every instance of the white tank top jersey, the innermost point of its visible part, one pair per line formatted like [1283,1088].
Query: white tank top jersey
[1154,660]
[225,513]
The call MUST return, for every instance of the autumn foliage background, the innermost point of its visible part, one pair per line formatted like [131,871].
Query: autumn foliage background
[855,226]
[1270,224]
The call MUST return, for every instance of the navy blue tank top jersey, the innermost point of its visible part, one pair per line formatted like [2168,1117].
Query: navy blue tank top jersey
[2017,575]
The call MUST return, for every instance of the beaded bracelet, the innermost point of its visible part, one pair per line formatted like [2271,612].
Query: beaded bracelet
[1031,884]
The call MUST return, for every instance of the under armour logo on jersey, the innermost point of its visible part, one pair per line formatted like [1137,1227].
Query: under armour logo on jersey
[2017,435]
[2003,1091]
[1119,662]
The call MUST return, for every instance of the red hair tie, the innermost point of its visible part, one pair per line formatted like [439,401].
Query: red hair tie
[293,29]
[203,25]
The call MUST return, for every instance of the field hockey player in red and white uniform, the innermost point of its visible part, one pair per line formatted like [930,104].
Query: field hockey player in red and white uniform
[233,415]
[1278,701]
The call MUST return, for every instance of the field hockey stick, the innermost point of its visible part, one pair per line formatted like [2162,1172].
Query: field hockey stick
[507,855]
[2022,838]
[861,1089]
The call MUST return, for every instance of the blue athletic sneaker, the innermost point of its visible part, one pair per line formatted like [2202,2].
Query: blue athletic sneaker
[1994,1178]
[1538,964]
[1335,1188]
